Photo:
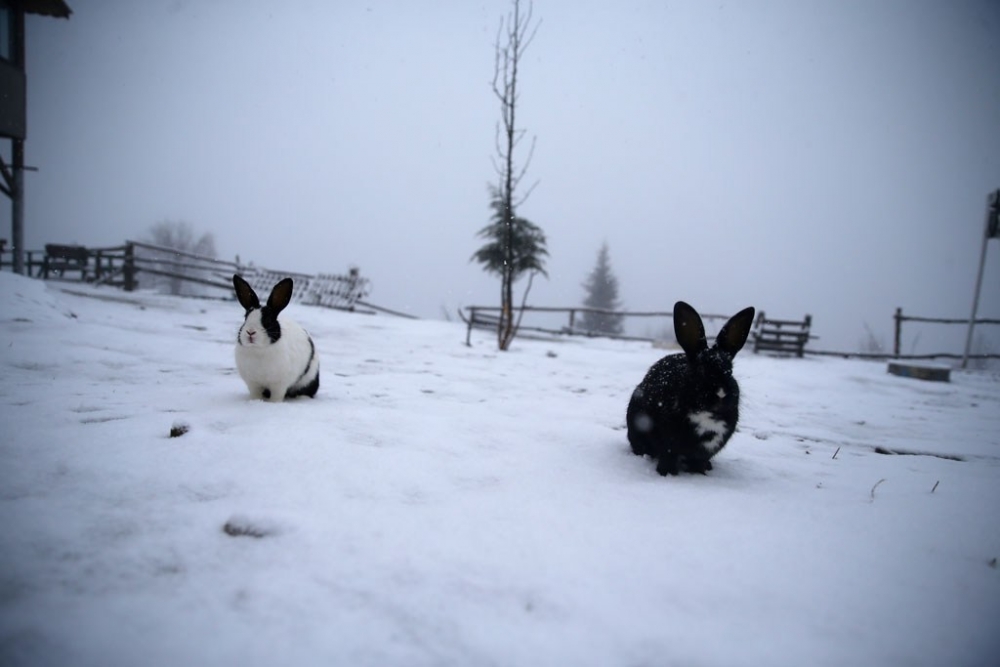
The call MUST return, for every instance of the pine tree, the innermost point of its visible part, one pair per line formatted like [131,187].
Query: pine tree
[602,293]
[527,243]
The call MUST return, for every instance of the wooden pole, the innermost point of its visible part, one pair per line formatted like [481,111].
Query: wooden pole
[128,271]
[17,157]
[898,317]
[991,201]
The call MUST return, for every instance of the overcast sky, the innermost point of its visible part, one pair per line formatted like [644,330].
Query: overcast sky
[822,157]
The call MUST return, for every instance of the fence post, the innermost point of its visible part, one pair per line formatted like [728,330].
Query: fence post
[898,317]
[572,319]
[128,270]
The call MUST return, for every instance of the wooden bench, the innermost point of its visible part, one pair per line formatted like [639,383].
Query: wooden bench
[477,319]
[784,336]
[62,258]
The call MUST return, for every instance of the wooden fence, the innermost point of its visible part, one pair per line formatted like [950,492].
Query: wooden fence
[486,317]
[175,267]
[101,265]
[121,266]
[124,266]
[899,318]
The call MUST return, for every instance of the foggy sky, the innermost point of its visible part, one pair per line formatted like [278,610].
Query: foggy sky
[822,157]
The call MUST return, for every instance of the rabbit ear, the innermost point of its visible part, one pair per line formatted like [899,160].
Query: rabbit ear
[247,297]
[688,329]
[281,296]
[734,333]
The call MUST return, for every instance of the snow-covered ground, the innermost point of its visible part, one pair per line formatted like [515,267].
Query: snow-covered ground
[444,505]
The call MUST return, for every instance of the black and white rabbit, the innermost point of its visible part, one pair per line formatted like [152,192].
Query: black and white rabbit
[277,360]
[686,408]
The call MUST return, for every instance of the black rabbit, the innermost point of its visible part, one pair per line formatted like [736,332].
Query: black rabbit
[686,408]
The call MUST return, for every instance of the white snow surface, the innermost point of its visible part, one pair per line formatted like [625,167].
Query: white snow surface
[438,504]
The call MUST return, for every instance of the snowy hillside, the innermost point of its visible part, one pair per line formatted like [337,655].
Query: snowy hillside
[444,505]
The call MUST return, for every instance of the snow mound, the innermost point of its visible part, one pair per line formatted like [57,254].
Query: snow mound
[28,301]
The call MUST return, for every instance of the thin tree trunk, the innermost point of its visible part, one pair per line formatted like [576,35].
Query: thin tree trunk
[516,32]
[509,108]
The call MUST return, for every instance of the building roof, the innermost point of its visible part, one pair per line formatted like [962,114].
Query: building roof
[55,8]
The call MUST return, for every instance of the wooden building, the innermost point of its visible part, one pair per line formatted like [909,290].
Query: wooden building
[13,106]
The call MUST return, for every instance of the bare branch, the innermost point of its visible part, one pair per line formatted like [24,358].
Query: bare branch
[496,60]
[527,194]
[531,37]
[527,162]
[524,301]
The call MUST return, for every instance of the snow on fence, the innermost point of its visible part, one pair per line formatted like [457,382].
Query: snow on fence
[324,289]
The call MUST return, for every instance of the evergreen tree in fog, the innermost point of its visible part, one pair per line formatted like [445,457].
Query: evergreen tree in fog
[602,293]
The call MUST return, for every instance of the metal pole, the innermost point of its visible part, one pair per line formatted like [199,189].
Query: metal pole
[979,281]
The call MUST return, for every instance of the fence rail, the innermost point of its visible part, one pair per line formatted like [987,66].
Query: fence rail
[898,319]
[885,356]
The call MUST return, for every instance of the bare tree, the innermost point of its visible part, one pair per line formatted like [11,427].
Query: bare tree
[514,36]
[179,236]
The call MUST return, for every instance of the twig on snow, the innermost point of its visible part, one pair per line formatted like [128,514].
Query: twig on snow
[835,454]
[935,486]
[875,487]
